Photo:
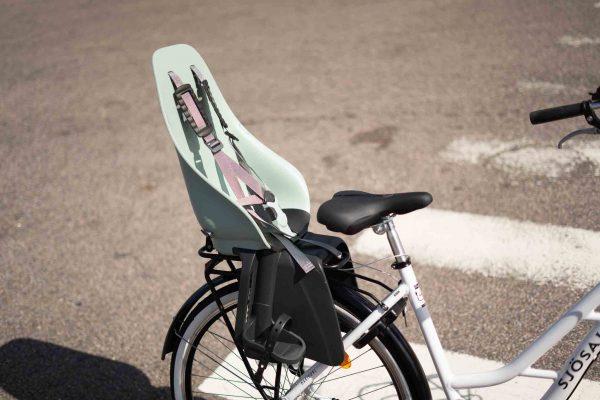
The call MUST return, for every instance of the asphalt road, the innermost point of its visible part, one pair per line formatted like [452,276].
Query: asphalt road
[97,239]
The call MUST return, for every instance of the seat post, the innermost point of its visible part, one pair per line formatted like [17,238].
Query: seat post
[389,228]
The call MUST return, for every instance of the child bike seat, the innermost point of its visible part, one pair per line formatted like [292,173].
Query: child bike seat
[351,211]
[254,207]
[213,199]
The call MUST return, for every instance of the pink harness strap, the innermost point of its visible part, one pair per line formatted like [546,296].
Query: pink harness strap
[231,170]
[189,102]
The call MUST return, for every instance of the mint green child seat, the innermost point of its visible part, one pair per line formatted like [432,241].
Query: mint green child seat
[215,205]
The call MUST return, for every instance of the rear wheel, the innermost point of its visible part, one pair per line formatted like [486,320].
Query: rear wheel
[207,365]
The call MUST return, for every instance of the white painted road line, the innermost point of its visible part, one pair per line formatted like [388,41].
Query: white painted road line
[578,41]
[540,86]
[520,157]
[517,389]
[494,246]
[228,379]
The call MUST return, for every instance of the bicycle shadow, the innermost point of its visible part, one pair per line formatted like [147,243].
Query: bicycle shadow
[32,369]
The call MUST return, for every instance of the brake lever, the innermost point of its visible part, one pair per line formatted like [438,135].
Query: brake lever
[588,131]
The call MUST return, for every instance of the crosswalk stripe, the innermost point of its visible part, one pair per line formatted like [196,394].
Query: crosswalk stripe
[578,41]
[520,157]
[494,246]
[540,86]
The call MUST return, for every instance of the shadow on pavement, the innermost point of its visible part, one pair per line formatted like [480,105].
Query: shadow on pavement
[32,369]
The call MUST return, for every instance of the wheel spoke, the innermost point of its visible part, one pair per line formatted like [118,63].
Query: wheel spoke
[229,380]
[223,362]
[321,382]
[235,353]
[221,379]
[227,347]
[221,337]
[364,394]
[354,373]
[226,395]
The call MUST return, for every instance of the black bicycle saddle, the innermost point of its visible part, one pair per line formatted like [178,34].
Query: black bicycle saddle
[351,211]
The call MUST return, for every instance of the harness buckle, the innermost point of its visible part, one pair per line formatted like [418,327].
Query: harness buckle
[214,145]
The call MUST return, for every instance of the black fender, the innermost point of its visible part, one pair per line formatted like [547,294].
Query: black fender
[176,328]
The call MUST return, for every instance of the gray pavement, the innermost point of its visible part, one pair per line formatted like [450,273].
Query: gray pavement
[97,239]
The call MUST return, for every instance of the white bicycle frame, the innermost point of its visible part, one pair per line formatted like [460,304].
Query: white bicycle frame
[564,382]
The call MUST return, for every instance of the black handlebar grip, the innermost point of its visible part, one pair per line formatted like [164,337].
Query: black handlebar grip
[556,113]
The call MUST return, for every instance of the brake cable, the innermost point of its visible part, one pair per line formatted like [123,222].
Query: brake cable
[589,131]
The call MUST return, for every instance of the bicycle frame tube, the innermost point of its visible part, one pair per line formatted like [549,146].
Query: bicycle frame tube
[564,383]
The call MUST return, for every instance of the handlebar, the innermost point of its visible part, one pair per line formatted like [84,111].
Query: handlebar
[556,113]
[586,108]
[569,111]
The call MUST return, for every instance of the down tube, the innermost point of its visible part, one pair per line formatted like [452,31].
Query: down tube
[575,367]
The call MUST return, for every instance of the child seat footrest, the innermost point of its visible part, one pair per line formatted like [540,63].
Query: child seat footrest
[276,344]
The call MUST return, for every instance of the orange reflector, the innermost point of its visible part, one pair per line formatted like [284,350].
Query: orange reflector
[346,363]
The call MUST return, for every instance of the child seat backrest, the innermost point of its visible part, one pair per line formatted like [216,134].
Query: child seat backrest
[213,201]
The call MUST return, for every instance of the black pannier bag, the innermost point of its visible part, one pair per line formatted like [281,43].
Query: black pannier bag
[285,314]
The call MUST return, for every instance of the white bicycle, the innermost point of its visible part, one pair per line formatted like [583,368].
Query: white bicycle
[223,345]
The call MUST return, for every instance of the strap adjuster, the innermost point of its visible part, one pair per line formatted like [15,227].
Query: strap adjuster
[183,89]
[214,145]
[180,103]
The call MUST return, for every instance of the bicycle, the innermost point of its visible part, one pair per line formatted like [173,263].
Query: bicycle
[210,360]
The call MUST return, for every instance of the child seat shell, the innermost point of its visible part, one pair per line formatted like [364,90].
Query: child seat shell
[213,201]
